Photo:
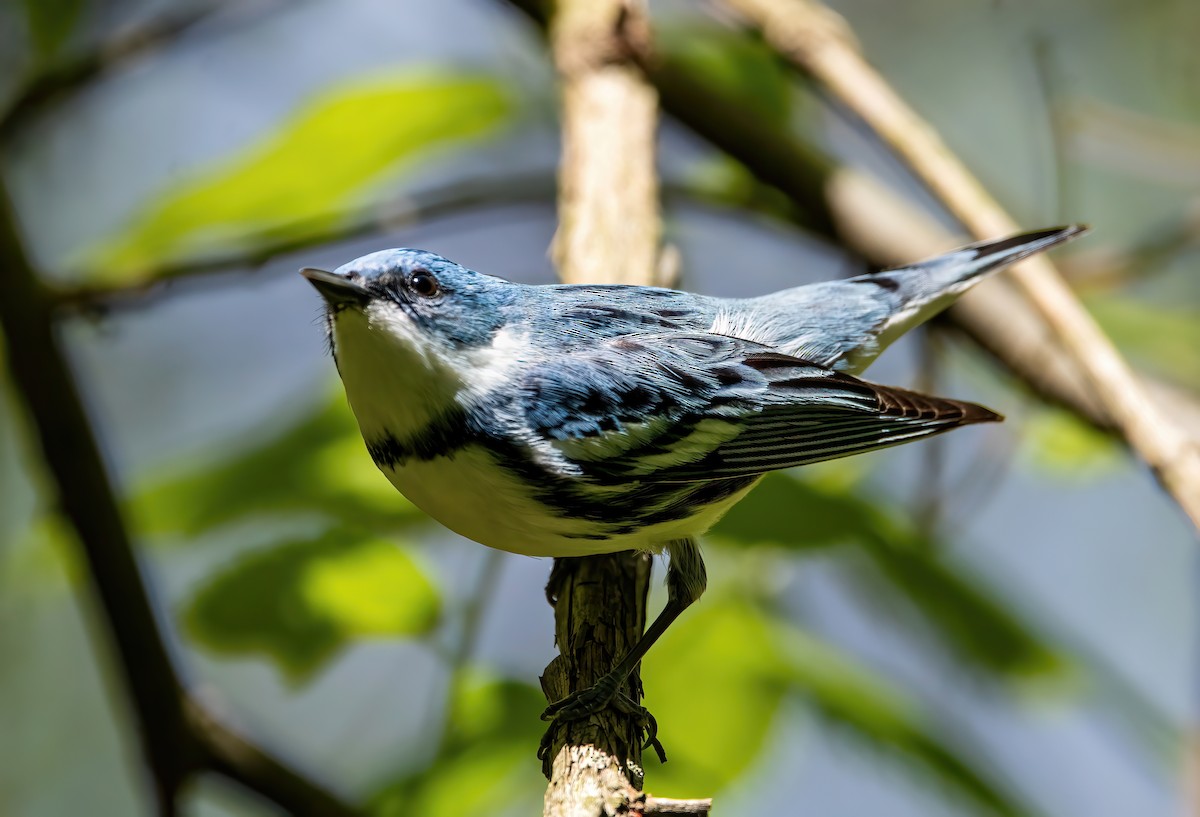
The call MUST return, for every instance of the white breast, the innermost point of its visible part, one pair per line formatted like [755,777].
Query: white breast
[470,495]
[473,497]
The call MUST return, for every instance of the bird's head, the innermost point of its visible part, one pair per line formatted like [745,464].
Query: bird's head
[408,326]
[411,300]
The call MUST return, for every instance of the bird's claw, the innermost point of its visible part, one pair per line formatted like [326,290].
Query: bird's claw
[588,702]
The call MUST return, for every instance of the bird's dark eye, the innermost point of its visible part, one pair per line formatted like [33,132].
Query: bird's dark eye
[423,283]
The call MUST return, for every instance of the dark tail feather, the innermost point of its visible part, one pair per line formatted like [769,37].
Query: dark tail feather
[990,254]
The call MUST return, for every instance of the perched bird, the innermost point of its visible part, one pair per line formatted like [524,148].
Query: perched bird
[577,420]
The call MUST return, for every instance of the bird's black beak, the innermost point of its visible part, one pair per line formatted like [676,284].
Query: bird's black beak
[337,290]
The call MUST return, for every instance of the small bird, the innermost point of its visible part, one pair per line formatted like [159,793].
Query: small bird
[577,420]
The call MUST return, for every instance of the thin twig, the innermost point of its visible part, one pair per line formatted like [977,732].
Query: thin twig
[173,744]
[820,43]
[149,285]
[86,498]
[668,807]
[60,79]
[230,754]
[479,599]
[141,290]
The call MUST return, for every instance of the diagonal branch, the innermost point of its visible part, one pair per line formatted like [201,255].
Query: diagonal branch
[141,290]
[85,496]
[62,78]
[855,211]
[819,42]
[178,739]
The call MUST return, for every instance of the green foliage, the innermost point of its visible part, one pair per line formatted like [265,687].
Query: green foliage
[1063,444]
[1162,339]
[891,559]
[797,515]
[746,72]
[715,686]
[311,171]
[50,22]
[871,709]
[299,602]
[718,678]
[319,464]
[486,760]
[738,66]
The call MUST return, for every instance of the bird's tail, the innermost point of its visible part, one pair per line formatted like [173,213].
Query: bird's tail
[846,324]
[921,290]
[970,262]
[949,275]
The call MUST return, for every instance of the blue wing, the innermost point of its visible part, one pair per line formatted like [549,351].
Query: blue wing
[700,406]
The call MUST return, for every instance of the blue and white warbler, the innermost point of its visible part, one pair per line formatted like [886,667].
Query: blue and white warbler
[577,420]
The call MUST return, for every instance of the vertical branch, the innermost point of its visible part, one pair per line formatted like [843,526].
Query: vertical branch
[594,765]
[608,215]
[819,42]
[609,230]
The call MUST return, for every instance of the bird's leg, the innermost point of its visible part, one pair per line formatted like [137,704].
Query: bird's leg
[686,580]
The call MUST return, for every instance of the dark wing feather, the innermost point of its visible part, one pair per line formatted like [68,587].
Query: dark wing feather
[806,419]
[688,407]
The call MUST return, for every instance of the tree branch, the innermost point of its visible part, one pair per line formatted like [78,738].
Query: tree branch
[609,231]
[62,78]
[168,723]
[141,290]
[666,807]
[609,225]
[857,212]
[230,754]
[818,41]
[85,496]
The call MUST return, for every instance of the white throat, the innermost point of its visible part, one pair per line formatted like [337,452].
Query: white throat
[396,380]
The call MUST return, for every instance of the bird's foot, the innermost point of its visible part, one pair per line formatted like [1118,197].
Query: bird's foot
[587,702]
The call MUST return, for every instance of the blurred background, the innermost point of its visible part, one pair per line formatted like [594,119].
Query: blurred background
[998,622]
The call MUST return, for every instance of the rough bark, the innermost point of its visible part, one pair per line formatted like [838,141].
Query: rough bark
[608,232]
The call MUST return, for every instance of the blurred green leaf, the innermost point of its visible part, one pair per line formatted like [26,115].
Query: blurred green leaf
[311,171]
[853,697]
[47,556]
[319,464]
[1162,339]
[50,23]
[794,514]
[487,762]
[715,684]
[1060,442]
[890,558]
[739,66]
[743,70]
[962,613]
[302,601]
